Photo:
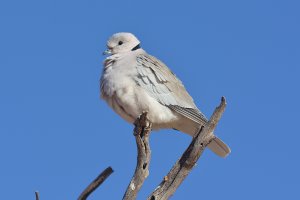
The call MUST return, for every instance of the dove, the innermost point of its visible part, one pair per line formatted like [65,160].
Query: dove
[133,81]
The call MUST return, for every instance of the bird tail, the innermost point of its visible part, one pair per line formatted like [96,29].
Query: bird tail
[219,147]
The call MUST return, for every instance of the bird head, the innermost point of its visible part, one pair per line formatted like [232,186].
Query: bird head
[121,43]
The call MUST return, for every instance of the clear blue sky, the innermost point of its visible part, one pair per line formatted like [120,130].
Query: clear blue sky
[56,135]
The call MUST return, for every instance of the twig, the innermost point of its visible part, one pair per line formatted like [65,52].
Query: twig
[189,158]
[141,132]
[96,183]
[37,195]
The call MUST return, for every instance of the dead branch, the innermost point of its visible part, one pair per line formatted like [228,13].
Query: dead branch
[96,183]
[189,158]
[141,132]
[179,171]
[37,195]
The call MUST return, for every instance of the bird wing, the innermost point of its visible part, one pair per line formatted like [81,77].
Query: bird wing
[163,85]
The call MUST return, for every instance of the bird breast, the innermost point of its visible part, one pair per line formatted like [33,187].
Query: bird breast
[116,75]
[121,92]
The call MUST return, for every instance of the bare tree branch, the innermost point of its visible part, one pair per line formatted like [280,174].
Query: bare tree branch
[37,195]
[179,171]
[141,132]
[189,158]
[96,183]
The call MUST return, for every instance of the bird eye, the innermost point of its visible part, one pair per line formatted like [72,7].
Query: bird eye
[120,43]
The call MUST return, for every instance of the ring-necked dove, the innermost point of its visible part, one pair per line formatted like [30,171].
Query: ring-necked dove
[134,81]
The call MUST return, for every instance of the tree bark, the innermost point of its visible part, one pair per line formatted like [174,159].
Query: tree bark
[179,171]
[141,132]
[189,158]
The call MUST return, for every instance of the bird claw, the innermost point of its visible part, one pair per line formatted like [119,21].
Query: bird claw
[142,124]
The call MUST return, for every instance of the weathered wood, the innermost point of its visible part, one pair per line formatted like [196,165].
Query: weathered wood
[95,184]
[178,172]
[141,132]
[189,158]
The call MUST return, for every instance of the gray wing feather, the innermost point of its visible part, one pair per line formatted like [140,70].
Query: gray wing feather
[163,85]
[191,113]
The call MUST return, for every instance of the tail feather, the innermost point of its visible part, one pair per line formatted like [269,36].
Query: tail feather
[190,127]
[219,147]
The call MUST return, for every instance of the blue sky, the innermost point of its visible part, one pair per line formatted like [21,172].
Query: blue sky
[56,135]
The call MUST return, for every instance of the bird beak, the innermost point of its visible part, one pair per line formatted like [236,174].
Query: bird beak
[107,52]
